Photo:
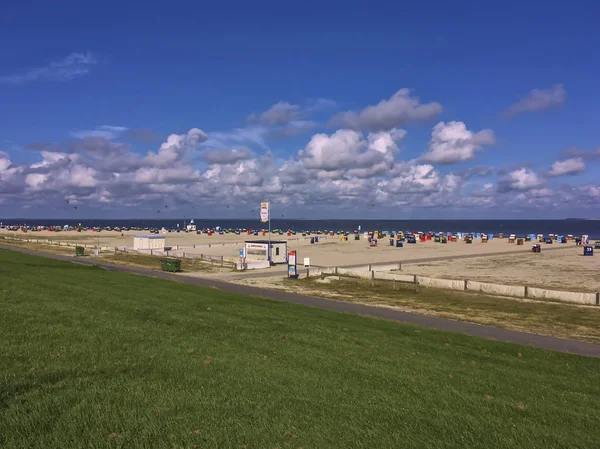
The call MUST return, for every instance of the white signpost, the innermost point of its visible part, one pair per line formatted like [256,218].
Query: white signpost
[265,216]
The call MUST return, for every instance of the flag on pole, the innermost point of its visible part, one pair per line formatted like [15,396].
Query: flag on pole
[264,212]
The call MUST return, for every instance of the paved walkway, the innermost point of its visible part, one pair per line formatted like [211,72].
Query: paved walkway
[539,341]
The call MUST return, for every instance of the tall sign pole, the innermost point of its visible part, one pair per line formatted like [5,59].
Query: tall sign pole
[265,216]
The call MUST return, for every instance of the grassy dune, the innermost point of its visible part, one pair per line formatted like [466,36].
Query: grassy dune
[90,358]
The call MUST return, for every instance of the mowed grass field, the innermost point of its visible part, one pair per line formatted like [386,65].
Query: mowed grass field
[91,358]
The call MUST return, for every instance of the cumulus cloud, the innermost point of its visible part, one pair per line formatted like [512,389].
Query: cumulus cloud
[571,166]
[521,179]
[284,119]
[175,148]
[5,161]
[452,142]
[72,66]
[280,114]
[539,100]
[227,156]
[347,168]
[348,149]
[578,153]
[400,109]
[479,171]
[293,128]
[412,179]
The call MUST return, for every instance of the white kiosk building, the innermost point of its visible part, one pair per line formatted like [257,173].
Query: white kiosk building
[258,250]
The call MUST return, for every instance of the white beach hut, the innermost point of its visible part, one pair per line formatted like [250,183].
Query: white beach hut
[149,242]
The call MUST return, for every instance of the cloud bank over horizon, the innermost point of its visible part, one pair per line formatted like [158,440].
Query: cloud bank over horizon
[357,167]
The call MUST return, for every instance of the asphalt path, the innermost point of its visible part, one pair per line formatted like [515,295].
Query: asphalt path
[475,330]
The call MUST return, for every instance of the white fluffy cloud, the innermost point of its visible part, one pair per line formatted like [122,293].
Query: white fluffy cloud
[175,148]
[284,119]
[280,114]
[412,179]
[345,169]
[521,179]
[5,162]
[400,109]
[567,167]
[227,156]
[452,142]
[348,149]
[539,100]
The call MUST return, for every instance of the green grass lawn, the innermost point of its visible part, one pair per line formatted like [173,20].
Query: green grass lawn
[90,358]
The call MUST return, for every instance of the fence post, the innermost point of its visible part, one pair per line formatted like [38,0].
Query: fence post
[372,278]
[308,275]
[526,292]
[394,283]
[399,266]
[598,299]
[221,260]
[336,270]
[466,281]
[151,253]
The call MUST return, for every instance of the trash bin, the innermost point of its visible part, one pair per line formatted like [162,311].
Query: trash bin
[536,248]
[316,239]
[597,245]
[79,250]
[399,244]
[356,236]
[171,265]
[588,250]
[391,242]
[469,239]
[312,240]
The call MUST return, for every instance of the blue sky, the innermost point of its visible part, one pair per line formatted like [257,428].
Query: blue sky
[329,109]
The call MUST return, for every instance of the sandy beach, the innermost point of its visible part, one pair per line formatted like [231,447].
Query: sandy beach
[560,266]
